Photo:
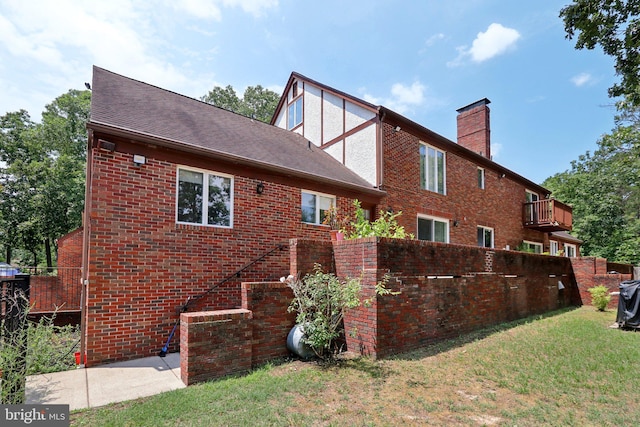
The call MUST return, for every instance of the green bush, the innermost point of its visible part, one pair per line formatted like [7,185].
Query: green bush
[320,300]
[385,226]
[600,297]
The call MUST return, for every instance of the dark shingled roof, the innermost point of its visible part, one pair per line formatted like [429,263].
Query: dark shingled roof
[130,107]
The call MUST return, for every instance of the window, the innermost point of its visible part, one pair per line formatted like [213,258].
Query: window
[481,178]
[295,113]
[553,247]
[485,237]
[432,169]
[569,250]
[210,204]
[433,229]
[531,247]
[314,206]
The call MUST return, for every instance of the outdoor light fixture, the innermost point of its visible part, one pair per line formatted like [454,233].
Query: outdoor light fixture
[455,222]
[397,129]
[260,188]
[139,159]
[106,145]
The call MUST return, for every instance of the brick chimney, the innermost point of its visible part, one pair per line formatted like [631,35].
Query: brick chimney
[474,130]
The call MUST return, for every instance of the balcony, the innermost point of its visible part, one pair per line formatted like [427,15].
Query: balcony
[547,215]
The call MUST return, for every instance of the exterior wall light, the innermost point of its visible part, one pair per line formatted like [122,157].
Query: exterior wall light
[260,188]
[139,159]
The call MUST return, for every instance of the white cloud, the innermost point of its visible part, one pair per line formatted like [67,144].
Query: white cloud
[433,39]
[582,79]
[402,97]
[50,46]
[495,41]
[212,9]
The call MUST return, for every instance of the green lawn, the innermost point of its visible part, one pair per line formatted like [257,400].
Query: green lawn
[567,368]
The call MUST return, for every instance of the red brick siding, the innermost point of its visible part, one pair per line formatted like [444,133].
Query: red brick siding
[474,130]
[143,266]
[70,250]
[214,344]
[498,206]
[433,308]
[271,322]
[591,272]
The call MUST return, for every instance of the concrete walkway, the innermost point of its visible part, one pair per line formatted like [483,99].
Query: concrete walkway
[97,386]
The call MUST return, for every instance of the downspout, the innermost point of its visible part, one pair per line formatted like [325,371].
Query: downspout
[86,232]
[380,145]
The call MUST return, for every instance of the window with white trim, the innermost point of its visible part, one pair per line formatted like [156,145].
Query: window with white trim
[432,169]
[295,113]
[485,237]
[553,247]
[433,229]
[570,250]
[314,205]
[481,178]
[532,247]
[204,198]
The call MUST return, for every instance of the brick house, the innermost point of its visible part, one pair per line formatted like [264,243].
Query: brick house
[448,192]
[154,157]
[149,240]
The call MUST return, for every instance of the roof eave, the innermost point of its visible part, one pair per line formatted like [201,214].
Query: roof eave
[388,115]
[193,149]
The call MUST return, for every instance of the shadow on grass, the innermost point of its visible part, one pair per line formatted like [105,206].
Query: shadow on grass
[447,344]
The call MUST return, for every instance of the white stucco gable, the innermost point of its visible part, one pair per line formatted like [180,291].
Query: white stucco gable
[345,127]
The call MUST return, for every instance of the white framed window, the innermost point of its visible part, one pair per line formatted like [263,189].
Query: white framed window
[432,169]
[481,178]
[314,205]
[485,237]
[433,229]
[204,198]
[553,247]
[570,250]
[295,113]
[532,247]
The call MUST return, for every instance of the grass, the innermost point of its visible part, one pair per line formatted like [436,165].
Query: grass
[567,368]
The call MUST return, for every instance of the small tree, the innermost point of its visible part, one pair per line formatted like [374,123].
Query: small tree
[320,300]
[600,297]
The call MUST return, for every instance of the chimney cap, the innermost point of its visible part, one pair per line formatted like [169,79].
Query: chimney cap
[483,101]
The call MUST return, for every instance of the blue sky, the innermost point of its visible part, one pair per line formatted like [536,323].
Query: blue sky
[421,58]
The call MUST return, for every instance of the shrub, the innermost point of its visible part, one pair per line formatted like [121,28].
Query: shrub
[320,300]
[600,297]
[385,226]
[49,348]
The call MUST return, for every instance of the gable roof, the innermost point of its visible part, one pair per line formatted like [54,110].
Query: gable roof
[389,116]
[134,109]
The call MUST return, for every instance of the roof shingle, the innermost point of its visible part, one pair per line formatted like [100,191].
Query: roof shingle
[138,108]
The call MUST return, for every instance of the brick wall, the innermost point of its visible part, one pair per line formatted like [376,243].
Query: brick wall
[214,344]
[446,290]
[70,249]
[498,206]
[593,271]
[142,265]
[270,321]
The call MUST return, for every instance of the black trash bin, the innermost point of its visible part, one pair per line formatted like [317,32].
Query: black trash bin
[629,304]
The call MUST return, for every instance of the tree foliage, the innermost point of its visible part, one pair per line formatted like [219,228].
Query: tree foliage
[604,190]
[256,102]
[42,175]
[615,27]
